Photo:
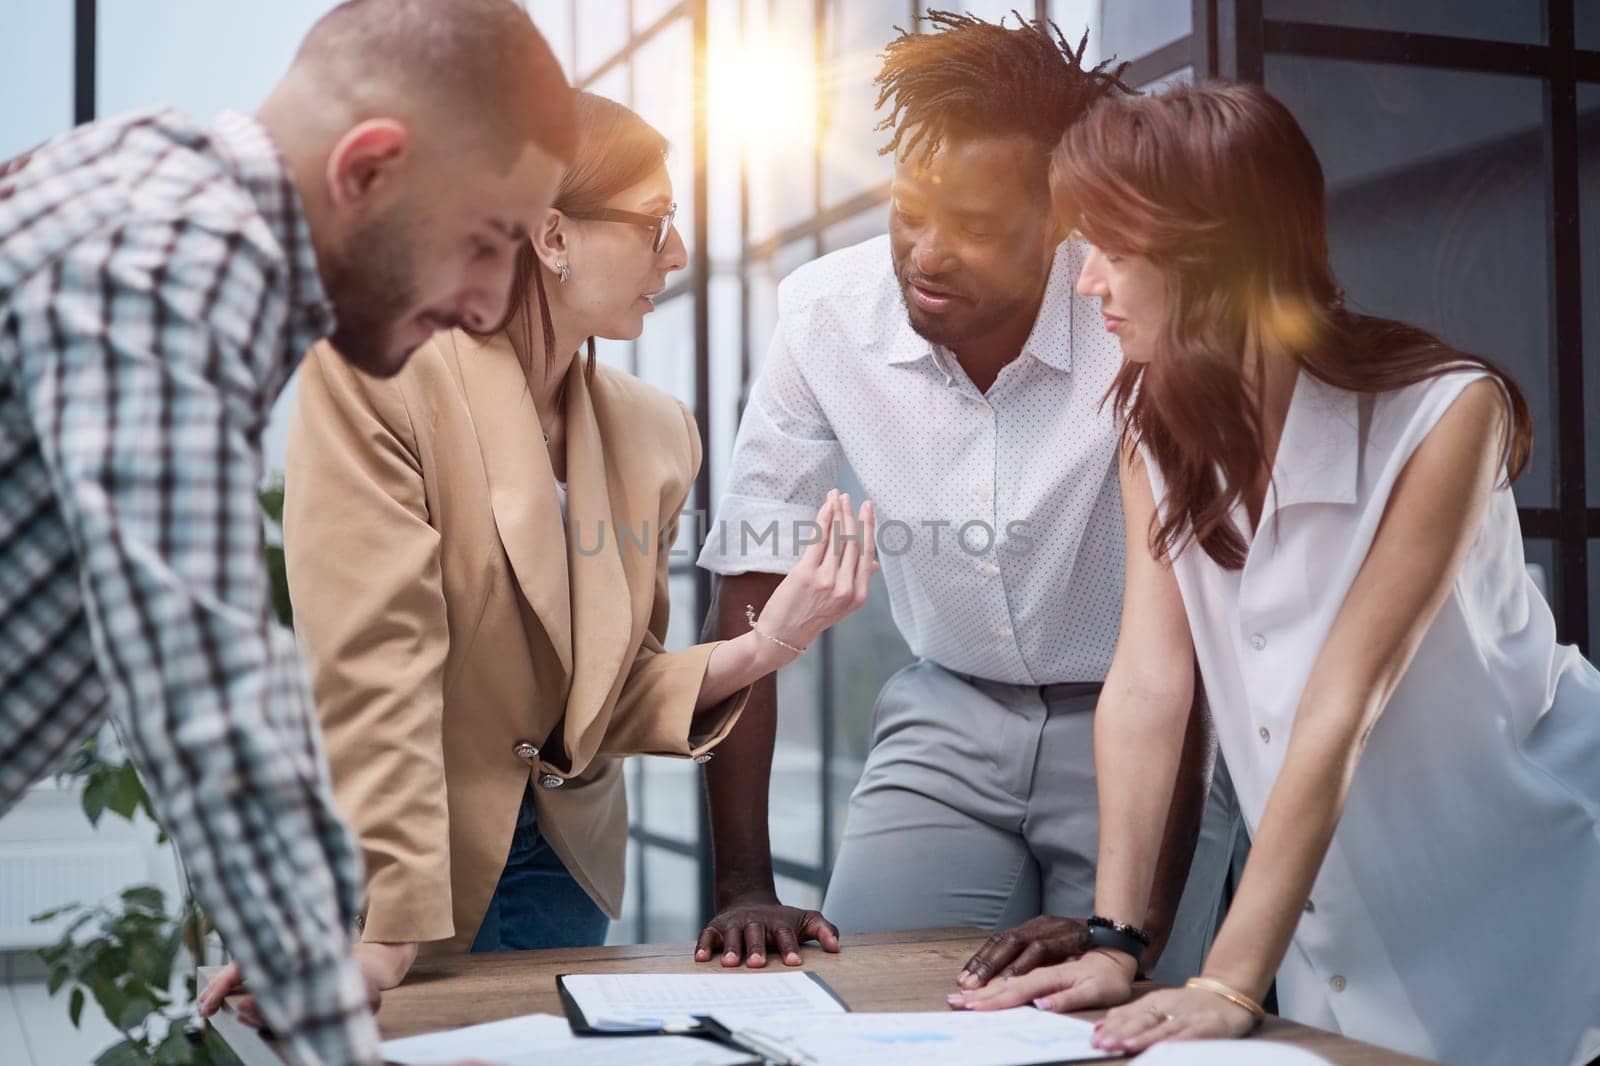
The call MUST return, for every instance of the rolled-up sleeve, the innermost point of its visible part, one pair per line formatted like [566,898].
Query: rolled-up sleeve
[785,460]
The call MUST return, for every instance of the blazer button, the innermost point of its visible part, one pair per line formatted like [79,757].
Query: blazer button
[525,751]
[551,781]
[703,757]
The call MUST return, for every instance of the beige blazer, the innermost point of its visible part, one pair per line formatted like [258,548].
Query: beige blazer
[449,621]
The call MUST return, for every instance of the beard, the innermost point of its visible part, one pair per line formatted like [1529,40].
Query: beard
[372,285]
[968,324]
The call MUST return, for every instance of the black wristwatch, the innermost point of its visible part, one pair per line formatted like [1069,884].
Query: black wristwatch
[1129,939]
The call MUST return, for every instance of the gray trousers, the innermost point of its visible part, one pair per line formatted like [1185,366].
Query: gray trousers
[977,807]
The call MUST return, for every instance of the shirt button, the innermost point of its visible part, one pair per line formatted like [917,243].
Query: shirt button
[984,493]
[986,408]
[1004,633]
[1337,983]
[1265,734]
[1257,641]
[525,751]
[551,781]
[988,570]
[1311,908]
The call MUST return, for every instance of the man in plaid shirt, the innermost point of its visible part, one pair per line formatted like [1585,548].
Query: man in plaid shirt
[159,280]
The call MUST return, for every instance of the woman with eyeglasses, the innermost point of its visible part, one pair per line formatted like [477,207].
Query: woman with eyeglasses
[478,557]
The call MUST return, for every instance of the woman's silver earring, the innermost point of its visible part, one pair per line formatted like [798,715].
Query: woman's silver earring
[563,272]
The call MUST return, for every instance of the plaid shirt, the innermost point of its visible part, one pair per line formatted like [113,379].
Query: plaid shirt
[157,286]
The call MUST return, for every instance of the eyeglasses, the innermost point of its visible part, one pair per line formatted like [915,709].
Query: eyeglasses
[658,225]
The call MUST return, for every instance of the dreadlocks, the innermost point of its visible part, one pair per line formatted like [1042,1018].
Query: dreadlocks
[975,76]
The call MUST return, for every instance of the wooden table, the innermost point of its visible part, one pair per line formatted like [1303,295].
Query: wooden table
[877,972]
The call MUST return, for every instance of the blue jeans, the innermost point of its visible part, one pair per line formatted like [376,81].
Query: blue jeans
[538,903]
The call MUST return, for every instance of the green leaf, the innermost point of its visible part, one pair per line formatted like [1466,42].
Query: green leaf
[127,792]
[127,1053]
[175,1049]
[75,1006]
[96,794]
[150,897]
[278,580]
[134,1012]
[58,977]
[272,500]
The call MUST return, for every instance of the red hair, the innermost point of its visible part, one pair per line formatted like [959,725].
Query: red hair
[1218,186]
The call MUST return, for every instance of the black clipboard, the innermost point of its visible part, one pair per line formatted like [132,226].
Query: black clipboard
[584,1026]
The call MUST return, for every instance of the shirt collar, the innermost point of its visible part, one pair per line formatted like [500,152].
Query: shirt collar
[1050,340]
[1319,452]
[255,162]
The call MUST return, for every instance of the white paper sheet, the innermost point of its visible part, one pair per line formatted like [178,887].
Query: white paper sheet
[645,1000]
[952,1038]
[542,1039]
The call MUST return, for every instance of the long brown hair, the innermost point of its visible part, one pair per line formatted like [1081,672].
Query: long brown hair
[615,150]
[1218,186]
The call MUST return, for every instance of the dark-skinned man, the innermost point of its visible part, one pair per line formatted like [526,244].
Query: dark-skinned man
[952,365]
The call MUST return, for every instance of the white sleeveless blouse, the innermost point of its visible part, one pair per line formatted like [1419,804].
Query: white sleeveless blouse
[1457,913]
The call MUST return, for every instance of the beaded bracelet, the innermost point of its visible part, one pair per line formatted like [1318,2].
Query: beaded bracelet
[1123,928]
[750,616]
[1119,936]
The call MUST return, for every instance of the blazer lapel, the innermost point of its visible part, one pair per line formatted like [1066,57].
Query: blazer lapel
[521,480]
[602,608]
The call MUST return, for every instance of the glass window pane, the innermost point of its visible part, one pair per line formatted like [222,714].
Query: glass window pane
[856,34]
[769,92]
[554,19]
[795,798]
[764,276]
[1589,271]
[1588,24]
[1499,20]
[1593,650]
[199,58]
[625,930]
[726,389]
[646,12]
[666,797]
[36,74]
[683,626]
[1437,211]
[663,94]
[798,894]
[672,900]
[857,228]
[601,35]
[1181,76]
[613,85]
[666,348]
[1129,31]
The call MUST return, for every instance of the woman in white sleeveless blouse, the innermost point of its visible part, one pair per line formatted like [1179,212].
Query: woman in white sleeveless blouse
[1319,512]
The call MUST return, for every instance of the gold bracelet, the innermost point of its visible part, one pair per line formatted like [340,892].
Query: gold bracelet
[1232,995]
[750,616]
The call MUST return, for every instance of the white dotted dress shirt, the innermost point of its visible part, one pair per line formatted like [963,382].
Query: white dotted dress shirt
[999,514]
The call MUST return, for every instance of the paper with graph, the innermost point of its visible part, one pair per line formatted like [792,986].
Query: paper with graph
[1017,1037]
